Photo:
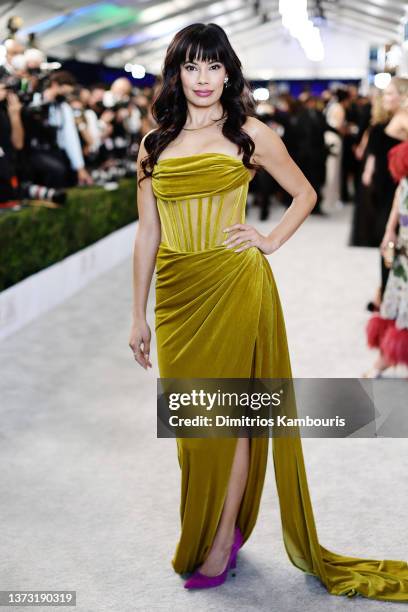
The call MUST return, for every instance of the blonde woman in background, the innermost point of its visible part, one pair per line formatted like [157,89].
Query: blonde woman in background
[376,175]
[363,222]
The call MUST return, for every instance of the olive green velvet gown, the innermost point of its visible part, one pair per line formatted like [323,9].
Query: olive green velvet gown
[218,315]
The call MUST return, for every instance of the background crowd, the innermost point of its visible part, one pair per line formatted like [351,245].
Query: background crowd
[56,133]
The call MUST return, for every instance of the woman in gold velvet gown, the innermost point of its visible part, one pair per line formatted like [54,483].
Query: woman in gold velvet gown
[218,313]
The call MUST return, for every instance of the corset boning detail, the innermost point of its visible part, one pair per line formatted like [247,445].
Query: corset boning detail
[194,224]
[197,197]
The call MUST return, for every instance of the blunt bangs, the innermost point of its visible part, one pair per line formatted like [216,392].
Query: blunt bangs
[205,47]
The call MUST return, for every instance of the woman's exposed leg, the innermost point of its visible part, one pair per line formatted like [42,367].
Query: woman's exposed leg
[376,302]
[217,557]
[381,363]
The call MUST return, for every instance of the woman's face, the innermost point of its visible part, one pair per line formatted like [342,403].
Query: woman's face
[202,81]
[391,98]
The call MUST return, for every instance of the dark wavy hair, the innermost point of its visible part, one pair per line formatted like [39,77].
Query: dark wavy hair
[207,42]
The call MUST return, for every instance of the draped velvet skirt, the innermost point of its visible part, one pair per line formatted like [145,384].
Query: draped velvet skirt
[218,315]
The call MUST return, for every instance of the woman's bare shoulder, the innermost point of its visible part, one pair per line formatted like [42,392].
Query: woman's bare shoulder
[147,134]
[253,126]
[142,148]
[398,125]
[264,137]
[402,115]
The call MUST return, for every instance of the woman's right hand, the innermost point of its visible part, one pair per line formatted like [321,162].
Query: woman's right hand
[358,151]
[389,236]
[366,179]
[139,342]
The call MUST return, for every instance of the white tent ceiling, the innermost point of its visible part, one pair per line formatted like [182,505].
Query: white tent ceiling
[117,31]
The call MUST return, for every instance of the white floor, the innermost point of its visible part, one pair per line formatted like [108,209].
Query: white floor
[90,496]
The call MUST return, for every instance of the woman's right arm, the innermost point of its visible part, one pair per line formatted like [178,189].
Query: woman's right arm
[390,234]
[144,260]
[368,171]
[359,149]
[372,149]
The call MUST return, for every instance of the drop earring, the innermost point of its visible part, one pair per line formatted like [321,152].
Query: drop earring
[226,81]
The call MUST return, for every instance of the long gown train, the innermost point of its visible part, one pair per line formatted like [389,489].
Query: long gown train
[218,315]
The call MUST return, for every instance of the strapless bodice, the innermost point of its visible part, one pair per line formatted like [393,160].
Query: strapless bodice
[197,197]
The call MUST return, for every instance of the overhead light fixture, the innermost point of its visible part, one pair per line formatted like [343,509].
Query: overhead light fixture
[137,70]
[382,79]
[393,56]
[295,19]
[261,93]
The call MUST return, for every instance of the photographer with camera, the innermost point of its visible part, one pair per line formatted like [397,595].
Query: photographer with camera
[113,121]
[123,117]
[53,148]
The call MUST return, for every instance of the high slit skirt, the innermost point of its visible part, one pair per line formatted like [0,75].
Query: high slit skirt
[218,315]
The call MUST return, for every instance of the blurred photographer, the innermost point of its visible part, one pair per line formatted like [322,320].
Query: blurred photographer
[123,117]
[11,140]
[122,92]
[53,147]
[83,127]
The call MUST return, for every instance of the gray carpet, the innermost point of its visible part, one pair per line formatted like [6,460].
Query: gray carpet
[90,496]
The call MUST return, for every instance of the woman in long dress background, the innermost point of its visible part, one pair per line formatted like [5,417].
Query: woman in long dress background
[376,176]
[388,330]
[218,313]
[336,118]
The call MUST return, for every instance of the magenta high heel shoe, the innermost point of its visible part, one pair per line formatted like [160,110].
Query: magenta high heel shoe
[201,581]
[234,551]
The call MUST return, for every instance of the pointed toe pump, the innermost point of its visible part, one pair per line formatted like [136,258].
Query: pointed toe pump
[201,581]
